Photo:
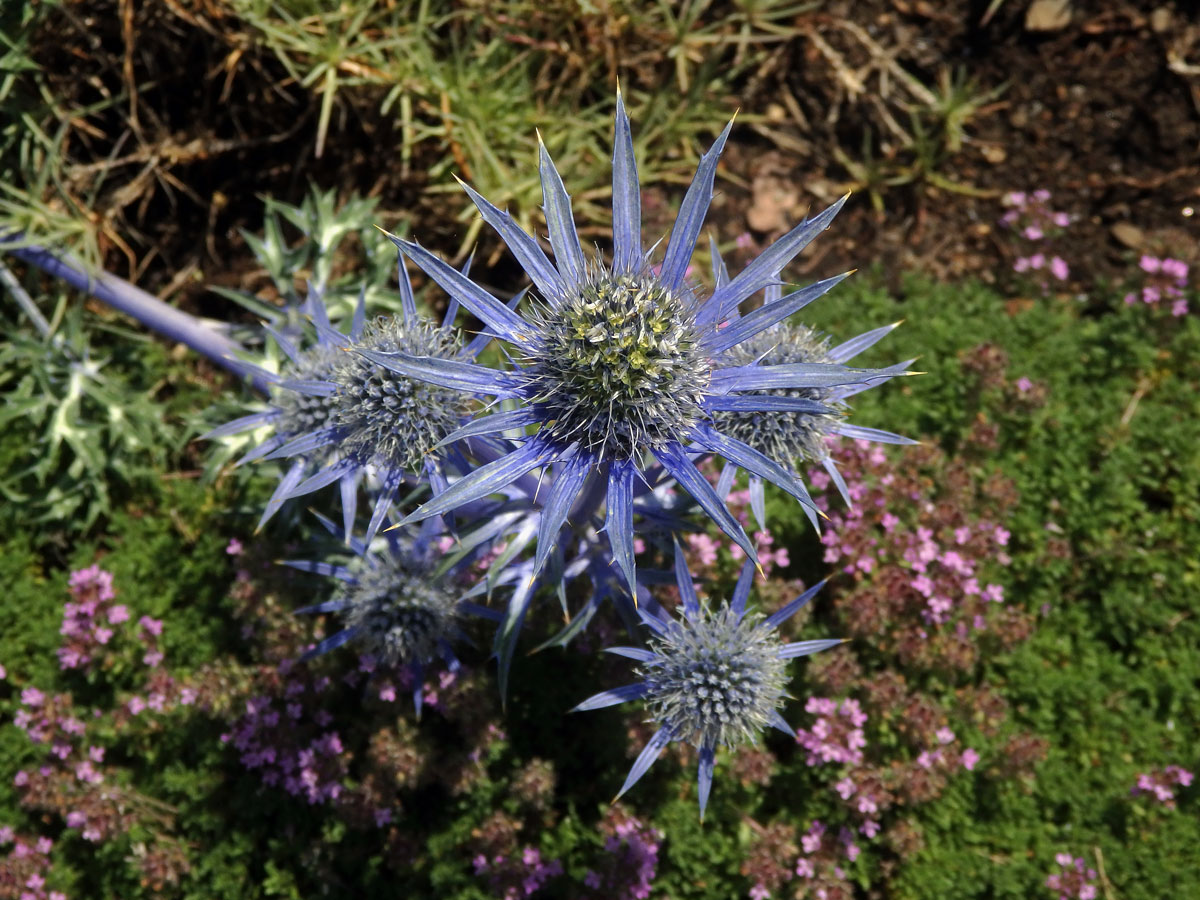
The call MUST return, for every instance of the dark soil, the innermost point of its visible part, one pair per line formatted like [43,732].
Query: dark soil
[1102,110]
[1097,113]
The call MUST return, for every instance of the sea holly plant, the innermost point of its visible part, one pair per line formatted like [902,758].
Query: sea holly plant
[338,416]
[622,381]
[620,369]
[393,605]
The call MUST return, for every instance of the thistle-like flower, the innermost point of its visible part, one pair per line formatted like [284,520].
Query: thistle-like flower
[392,604]
[715,678]
[795,437]
[622,363]
[343,415]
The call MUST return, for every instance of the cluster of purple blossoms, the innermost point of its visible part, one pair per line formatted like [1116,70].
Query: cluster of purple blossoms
[1030,215]
[944,567]
[73,782]
[838,738]
[314,771]
[815,839]
[23,871]
[517,876]
[1164,281]
[633,863]
[1075,882]
[88,618]
[1161,784]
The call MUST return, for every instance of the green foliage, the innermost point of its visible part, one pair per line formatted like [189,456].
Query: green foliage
[82,419]
[1103,548]
[444,88]
[339,252]
[33,196]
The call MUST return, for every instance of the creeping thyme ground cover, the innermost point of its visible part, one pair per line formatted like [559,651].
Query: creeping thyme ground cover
[1013,714]
[465,548]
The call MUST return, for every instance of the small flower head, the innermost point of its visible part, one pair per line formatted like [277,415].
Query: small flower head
[338,409]
[717,678]
[397,614]
[389,420]
[789,437]
[390,605]
[712,678]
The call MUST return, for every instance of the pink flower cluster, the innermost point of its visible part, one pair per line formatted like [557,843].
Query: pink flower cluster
[1036,262]
[517,876]
[1160,784]
[837,735]
[630,872]
[945,567]
[88,617]
[23,872]
[1030,215]
[823,875]
[49,720]
[1165,280]
[1074,882]
[88,624]
[704,547]
[813,842]
[71,781]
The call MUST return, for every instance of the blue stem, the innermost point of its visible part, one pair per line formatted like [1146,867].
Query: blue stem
[168,321]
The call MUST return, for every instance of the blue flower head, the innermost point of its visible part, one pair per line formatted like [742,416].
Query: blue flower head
[393,604]
[795,437]
[715,678]
[339,416]
[619,370]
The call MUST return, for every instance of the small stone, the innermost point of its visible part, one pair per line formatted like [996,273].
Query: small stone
[771,203]
[994,153]
[1129,235]
[1048,15]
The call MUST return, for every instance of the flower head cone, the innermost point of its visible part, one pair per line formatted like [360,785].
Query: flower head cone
[392,605]
[794,437]
[619,369]
[338,416]
[715,678]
